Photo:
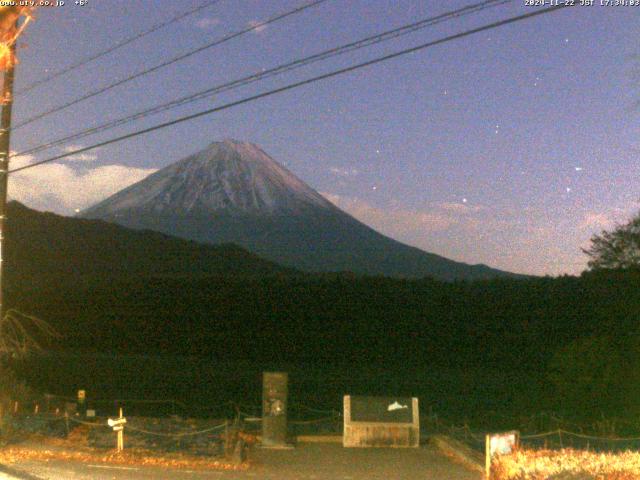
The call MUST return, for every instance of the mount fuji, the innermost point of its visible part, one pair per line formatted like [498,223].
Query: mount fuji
[234,192]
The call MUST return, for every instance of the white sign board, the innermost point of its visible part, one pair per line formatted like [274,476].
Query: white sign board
[116,422]
[499,444]
[503,443]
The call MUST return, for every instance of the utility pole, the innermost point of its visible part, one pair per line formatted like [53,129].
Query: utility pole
[5,136]
[10,30]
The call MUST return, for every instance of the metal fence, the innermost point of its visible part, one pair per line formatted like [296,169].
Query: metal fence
[159,423]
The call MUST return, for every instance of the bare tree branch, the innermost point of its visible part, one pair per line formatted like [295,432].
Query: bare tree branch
[21,334]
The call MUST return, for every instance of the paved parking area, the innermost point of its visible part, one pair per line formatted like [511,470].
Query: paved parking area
[305,462]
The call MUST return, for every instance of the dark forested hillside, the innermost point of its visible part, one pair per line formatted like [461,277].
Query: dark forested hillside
[507,323]
[45,249]
[570,344]
[108,289]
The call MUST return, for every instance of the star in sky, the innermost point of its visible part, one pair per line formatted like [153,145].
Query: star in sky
[388,94]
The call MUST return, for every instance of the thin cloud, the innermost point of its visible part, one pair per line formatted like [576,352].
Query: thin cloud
[207,23]
[62,189]
[594,220]
[444,228]
[344,172]
[80,157]
[394,221]
[257,25]
[461,208]
[607,220]
[21,161]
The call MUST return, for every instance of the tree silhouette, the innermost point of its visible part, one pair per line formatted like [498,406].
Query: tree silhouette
[618,249]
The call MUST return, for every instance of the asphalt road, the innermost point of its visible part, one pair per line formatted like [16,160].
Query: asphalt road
[305,462]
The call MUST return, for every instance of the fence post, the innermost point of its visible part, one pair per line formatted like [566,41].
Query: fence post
[226,436]
[487,456]
[121,435]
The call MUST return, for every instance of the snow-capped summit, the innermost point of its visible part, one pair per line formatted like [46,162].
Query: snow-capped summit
[229,176]
[233,192]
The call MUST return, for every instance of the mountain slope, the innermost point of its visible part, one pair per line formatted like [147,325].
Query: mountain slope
[43,247]
[234,192]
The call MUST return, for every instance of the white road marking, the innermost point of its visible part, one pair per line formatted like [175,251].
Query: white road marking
[201,472]
[109,467]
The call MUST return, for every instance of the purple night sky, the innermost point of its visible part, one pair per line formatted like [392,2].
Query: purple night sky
[509,147]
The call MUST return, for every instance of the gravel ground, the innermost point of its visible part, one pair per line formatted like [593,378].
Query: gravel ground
[305,462]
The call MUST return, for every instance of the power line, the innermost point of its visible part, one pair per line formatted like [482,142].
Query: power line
[116,46]
[190,53]
[350,47]
[298,84]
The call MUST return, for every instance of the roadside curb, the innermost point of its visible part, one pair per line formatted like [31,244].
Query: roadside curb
[459,452]
[319,439]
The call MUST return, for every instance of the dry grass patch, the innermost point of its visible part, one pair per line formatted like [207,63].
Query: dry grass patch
[566,464]
[75,449]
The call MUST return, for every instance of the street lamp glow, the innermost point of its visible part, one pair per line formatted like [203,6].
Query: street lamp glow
[9,32]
